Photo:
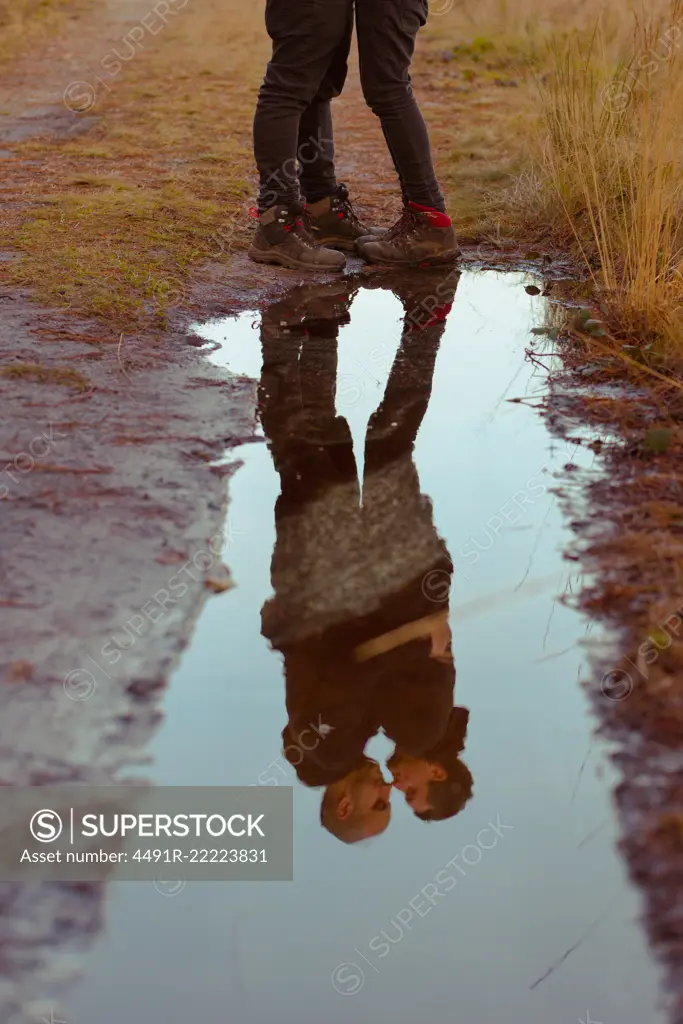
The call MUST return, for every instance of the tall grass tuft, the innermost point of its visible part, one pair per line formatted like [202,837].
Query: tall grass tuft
[613,157]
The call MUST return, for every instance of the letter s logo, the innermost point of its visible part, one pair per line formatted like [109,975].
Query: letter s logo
[46,826]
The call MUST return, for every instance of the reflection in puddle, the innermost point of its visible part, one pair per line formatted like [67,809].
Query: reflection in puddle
[361,578]
[398,522]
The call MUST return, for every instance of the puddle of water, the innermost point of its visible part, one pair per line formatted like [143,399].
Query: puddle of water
[334,535]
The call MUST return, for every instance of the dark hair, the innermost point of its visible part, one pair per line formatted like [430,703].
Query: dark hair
[448,797]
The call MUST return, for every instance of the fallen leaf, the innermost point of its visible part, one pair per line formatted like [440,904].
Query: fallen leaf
[656,440]
[19,672]
[219,580]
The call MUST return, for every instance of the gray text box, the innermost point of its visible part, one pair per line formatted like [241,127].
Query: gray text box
[145,833]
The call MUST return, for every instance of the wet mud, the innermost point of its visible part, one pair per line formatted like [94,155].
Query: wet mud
[112,510]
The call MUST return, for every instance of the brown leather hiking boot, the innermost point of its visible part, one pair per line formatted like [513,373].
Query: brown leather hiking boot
[333,222]
[420,238]
[282,237]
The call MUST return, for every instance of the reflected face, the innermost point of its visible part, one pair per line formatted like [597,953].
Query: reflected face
[412,776]
[371,797]
[358,806]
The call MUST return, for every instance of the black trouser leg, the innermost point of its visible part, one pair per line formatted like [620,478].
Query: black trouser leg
[316,152]
[427,300]
[316,137]
[310,45]
[386,43]
[310,444]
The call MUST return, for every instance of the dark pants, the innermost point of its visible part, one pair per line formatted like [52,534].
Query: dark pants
[293,137]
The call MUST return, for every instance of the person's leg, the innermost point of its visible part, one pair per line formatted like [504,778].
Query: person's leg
[316,151]
[306,39]
[308,441]
[427,300]
[331,217]
[316,134]
[308,36]
[386,43]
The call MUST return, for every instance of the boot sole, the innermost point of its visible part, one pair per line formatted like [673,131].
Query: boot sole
[446,260]
[277,259]
[345,244]
[339,246]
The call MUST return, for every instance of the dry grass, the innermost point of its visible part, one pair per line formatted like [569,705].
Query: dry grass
[125,212]
[602,165]
[613,160]
[39,374]
[23,23]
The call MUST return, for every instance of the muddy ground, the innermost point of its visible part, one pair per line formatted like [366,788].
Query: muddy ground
[629,543]
[112,515]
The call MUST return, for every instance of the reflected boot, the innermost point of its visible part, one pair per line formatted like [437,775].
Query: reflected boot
[283,238]
[427,298]
[333,222]
[422,237]
[310,303]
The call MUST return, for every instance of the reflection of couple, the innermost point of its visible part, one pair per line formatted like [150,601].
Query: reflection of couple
[363,632]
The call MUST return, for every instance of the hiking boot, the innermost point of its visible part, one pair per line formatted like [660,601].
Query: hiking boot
[282,237]
[333,222]
[389,234]
[422,237]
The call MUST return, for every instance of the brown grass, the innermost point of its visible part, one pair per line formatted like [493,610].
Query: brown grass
[598,167]
[613,164]
[25,23]
[124,213]
[35,372]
